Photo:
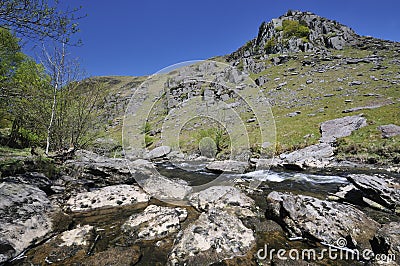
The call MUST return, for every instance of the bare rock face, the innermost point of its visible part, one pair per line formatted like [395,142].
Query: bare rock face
[389,131]
[111,196]
[322,221]
[155,222]
[24,218]
[322,34]
[214,236]
[341,127]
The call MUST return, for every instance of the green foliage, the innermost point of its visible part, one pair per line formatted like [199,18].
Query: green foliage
[39,19]
[294,28]
[269,45]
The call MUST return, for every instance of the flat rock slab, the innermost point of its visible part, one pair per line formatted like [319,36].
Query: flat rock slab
[318,156]
[384,191]
[111,196]
[155,222]
[228,166]
[341,127]
[322,221]
[24,218]
[214,236]
[158,152]
[389,131]
[227,198]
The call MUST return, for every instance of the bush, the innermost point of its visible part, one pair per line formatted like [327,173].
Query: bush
[294,28]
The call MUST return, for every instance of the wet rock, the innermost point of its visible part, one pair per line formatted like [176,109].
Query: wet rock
[318,156]
[155,222]
[385,192]
[158,152]
[227,198]
[228,166]
[322,221]
[101,170]
[111,196]
[214,236]
[157,185]
[389,131]
[387,241]
[79,236]
[341,127]
[24,218]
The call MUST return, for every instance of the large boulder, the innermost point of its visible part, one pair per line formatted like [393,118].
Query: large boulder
[322,221]
[229,166]
[318,156]
[156,185]
[383,191]
[111,196]
[158,152]
[24,218]
[155,222]
[341,127]
[227,198]
[102,170]
[214,236]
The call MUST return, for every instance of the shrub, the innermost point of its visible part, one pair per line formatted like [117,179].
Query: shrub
[294,28]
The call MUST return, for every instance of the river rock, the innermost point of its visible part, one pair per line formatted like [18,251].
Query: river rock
[227,198]
[155,222]
[214,236]
[228,166]
[155,184]
[102,170]
[24,218]
[387,241]
[385,192]
[318,156]
[111,196]
[323,221]
[389,131]
[341,127]
[158,152]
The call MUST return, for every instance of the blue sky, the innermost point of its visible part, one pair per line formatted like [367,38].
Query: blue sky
[125,37]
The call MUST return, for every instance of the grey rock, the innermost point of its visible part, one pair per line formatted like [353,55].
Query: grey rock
[387,241]
[293,114]
[341,127]
[110,196]
[101,170]
[355,83]
[355,109]
[322,221]
[385,192]
[227,198]
[214,236]
[389,131]
[228,166]
[155,222]
[315,156]
[25,219]
[158,152]
[261,80]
